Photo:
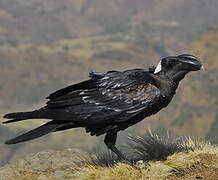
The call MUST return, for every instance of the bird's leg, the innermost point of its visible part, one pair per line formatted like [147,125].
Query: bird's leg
[110,140]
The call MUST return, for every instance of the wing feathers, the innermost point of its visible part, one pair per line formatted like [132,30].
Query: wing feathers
[106,96]
[104,99]
[74,87]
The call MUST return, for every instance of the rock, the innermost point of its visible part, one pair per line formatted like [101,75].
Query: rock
[45,165]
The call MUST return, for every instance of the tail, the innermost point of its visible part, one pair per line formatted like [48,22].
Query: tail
[38,132]
[19,116]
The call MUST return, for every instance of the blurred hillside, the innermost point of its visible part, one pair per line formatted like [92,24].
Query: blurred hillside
[49,44]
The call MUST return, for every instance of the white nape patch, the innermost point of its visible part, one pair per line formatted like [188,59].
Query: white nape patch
[158,68]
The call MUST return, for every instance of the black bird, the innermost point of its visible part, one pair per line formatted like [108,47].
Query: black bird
[109,102]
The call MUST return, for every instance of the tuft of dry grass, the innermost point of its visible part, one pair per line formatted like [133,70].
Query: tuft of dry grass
[149,147]
[181,165]
[156,158]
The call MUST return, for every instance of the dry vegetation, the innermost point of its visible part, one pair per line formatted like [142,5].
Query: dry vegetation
[188,160]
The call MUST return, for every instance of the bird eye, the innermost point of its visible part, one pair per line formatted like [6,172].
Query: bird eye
[164,62]
[172,62]
[168,62]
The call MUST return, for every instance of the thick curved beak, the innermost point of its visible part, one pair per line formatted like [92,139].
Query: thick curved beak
[195,65]
[190,63]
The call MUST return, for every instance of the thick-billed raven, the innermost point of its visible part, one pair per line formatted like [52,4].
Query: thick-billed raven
[109,102]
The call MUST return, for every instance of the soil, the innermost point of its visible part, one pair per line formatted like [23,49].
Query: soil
[206,168]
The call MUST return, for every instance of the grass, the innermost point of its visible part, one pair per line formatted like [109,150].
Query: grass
[156,158]
[149,147]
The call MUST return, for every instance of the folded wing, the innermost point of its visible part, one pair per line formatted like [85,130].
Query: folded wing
[114,96]
[98,104]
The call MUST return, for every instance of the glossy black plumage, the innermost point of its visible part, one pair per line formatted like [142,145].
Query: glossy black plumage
[109,102]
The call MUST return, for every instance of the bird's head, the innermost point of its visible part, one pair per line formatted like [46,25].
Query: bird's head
[176,67]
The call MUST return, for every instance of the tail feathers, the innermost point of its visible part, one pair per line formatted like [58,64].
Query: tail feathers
[35,133]
[67,126]
[19,116]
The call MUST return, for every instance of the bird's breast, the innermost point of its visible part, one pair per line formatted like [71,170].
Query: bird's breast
[166,96]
